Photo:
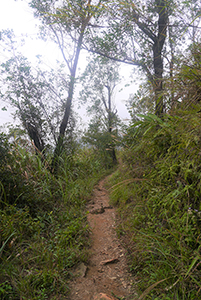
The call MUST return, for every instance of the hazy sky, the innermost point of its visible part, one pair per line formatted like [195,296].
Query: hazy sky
[18,16]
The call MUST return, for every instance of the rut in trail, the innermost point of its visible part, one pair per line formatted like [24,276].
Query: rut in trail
[105,276]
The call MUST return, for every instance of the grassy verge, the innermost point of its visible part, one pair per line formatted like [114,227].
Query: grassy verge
[157,190]
[43,225]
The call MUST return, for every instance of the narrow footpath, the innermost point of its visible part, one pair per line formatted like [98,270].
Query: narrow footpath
[105,277]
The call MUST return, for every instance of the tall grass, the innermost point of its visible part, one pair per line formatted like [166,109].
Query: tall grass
[43,225]
[158,191]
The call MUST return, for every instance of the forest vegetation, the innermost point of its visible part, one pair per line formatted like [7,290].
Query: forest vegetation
[48,168]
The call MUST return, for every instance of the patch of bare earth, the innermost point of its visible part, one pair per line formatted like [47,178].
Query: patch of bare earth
[105,277]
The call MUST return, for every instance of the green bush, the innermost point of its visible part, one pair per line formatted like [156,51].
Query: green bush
[43,224]
[22,179]
[158,192]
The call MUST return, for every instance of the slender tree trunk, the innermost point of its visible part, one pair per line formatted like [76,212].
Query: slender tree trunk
[59,144]
[110,124]
[158,80]
[159,41]
[113,152]
[171,43]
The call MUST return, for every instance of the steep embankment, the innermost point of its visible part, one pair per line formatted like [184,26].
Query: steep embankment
[157,190]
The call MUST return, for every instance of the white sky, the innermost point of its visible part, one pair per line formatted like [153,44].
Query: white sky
[18,16]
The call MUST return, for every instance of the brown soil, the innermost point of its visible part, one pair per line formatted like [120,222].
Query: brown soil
[106,275]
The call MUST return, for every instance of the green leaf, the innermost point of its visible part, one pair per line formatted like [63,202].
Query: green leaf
[192,265]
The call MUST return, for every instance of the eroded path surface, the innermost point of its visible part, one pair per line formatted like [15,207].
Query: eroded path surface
[105,276]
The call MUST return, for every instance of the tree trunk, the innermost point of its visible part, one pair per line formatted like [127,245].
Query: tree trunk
[158,40]
[158,79]
[110,124]
[59,144]
[157,56]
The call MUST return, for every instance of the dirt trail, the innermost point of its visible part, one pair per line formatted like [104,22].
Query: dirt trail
[105,276]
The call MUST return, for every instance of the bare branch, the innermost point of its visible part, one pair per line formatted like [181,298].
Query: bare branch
[126,61]
[61,48]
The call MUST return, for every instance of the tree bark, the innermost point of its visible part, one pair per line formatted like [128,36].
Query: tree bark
[110,124]
[158,43]
[158,80]
[157,56]
[59,144]
[157,40]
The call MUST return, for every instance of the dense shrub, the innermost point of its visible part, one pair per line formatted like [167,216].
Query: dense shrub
[43,226]
[160,205]
[158,191]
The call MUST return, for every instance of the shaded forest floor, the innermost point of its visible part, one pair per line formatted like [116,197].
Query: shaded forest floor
[106,275]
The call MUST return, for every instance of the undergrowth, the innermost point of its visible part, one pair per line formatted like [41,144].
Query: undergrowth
[43,226]
[157,189]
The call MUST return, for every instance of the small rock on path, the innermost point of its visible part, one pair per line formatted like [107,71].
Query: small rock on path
[106,272]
